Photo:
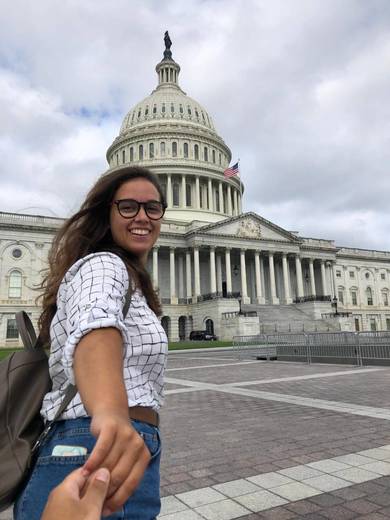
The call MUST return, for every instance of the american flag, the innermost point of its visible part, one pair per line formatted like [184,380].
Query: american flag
[232,171]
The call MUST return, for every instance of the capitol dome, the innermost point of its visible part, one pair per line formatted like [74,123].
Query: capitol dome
[173,135]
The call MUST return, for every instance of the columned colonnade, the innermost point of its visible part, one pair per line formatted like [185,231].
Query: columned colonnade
[185,266]
[200,192]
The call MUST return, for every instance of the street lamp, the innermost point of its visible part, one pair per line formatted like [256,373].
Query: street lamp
[334,304]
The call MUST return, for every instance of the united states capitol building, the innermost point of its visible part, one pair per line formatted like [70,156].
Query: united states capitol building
[215,267]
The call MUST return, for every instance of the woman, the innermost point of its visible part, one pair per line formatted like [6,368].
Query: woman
[97,261]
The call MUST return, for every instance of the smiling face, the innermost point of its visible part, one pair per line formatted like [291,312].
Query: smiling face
[138,234]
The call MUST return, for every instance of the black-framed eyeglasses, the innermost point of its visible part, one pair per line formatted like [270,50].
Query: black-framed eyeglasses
[129,208]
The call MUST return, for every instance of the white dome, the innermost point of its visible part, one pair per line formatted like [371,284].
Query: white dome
[167,103]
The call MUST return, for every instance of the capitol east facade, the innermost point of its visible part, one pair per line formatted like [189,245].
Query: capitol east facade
[215,267]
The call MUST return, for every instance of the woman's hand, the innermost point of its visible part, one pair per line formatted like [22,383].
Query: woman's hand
[122,450]
[76,499]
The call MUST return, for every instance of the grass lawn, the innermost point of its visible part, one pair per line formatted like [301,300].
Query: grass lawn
[180,345]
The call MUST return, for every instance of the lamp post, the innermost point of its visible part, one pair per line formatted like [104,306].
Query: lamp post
[334,304]
[239,303]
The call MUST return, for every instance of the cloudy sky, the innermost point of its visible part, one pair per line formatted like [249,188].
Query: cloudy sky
[299,90]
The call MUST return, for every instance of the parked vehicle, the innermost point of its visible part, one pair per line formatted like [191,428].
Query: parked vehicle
[202,335]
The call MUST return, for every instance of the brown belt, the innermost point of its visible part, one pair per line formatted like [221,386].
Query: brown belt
[144,414]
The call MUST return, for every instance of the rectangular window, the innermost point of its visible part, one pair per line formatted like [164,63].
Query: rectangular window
[357,324]
[354,297]
[338,274]
[372,324]
[12,331]
[385,299]
[351,274]
[383,276]
[341,296]
[387,323]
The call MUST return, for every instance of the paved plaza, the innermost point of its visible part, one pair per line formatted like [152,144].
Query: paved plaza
[278,440]
[252,439]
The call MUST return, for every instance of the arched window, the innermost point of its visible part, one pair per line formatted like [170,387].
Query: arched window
[188,194]
[163,108]
[151,150]
[174,149]
[369,296]
[206,154]
[340,294]
[162,148]
[175,193]
[385,298]
[220,159]
[185,150]
[15,285]
[189,111]
[123,156]
[196,152]
[172,108]
[154,110]
[213,155]
[131,154]
[141,152]
[166,324]
[181,108]
[146,111]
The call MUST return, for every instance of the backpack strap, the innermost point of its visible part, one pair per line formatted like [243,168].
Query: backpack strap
[26,331]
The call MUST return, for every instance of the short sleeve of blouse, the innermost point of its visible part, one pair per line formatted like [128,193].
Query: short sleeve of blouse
[94,294]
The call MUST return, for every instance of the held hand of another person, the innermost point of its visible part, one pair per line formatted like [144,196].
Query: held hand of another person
[75,499]
[122,450]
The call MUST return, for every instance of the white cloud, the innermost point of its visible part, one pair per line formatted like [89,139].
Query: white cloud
[299,91]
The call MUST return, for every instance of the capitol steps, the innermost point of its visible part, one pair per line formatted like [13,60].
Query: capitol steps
[287,318]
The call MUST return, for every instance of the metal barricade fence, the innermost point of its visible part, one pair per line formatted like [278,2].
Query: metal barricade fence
[348,347]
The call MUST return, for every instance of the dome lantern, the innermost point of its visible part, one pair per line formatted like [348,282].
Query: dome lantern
[167,70]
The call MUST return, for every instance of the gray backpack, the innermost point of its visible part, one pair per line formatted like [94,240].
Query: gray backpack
[24,381]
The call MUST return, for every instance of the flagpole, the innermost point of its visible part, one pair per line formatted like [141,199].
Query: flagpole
[239,176]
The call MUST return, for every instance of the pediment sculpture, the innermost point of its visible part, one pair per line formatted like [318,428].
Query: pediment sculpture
[248,228]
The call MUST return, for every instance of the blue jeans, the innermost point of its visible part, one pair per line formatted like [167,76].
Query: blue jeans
[49,471]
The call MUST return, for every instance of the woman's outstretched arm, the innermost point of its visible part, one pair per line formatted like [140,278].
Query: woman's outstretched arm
[98,371]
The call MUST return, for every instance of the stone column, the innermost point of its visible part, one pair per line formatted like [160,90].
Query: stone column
[323,279]
[219,273]
[235,202]
[213,282]
[298,269]
[274,298]
[312,279]
[197,193]
[360,296]
[259,293]
[188,275]
[220,192]
[210,195]
[183,192]
[228,269]
[172,277]
[196,273]
[181,276]
[286,279]
[155,267]
[244,288]
[169,190]
[229,200]
[334,280]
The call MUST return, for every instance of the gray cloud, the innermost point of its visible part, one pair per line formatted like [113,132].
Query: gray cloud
[299,91]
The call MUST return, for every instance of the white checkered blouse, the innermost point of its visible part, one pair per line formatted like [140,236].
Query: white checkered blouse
[91,296]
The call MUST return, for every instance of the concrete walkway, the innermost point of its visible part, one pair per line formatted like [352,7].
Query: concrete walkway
[252,439]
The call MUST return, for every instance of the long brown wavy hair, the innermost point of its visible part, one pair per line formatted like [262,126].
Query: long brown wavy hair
[88,231]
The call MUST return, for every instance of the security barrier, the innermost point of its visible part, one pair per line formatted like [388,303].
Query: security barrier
[358,348]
